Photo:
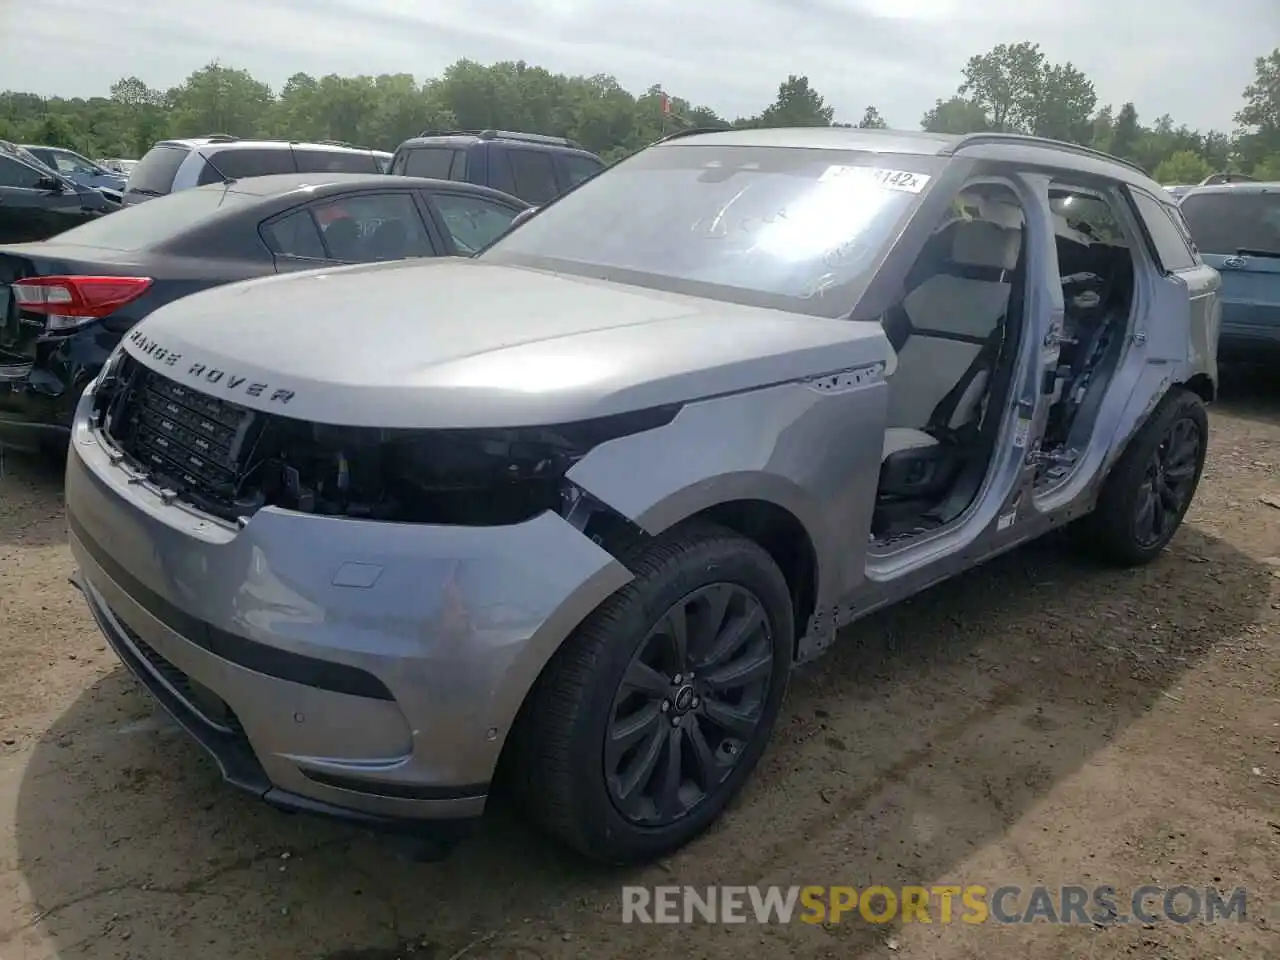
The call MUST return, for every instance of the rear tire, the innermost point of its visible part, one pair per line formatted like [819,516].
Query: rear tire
[1148,492]
[616,695]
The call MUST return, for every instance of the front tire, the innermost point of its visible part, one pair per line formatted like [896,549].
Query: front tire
[1149,490]
[652,715]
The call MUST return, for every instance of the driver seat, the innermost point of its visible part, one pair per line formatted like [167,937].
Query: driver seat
[948,334]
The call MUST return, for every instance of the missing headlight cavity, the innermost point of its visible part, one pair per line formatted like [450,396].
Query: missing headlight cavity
[232,461]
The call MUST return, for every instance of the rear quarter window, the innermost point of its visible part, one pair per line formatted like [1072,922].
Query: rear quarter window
[435,163]
[155,171]
[1171,247]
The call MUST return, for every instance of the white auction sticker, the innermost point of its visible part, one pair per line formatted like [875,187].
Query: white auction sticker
[902,180]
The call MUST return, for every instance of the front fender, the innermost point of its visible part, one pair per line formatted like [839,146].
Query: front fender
[812,448]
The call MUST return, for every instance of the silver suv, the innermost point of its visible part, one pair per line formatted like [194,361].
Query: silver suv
[173,165]
[573,510]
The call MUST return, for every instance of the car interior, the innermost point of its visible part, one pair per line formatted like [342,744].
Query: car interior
[1095,263]
[955,334]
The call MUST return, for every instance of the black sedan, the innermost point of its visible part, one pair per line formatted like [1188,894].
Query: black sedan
[66,302]
[37,202]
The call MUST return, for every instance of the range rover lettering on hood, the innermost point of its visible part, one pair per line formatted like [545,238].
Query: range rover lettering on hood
[144,346]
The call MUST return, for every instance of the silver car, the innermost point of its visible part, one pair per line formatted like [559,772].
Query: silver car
[572,511]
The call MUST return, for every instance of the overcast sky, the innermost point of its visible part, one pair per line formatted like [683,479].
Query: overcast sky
[1182,57]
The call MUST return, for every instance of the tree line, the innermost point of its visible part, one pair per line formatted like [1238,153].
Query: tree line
[1012,87]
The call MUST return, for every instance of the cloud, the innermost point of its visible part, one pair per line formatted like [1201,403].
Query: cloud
[897,54]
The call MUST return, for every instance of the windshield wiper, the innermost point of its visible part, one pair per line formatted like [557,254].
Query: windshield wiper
[146,192]
[1257,252]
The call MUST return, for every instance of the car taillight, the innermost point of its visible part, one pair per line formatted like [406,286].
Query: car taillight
[70,302]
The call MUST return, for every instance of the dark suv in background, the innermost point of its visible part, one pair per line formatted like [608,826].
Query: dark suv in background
[535,168]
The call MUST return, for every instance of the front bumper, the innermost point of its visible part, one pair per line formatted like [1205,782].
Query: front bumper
[362,669]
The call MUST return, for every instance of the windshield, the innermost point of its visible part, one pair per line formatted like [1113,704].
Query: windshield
[1231,222]
[150,225]
[799,229]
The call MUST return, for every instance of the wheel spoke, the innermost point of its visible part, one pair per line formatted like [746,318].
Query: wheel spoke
[668,799]
[642,678]
[639,772]
[751,667]
[709,769]
[734,635]
[732,720]
[1145,520]
[629,731]
[714,605]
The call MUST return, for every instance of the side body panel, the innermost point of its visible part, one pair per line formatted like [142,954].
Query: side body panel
[812,448]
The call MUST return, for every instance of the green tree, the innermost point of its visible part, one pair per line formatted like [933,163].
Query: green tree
[1185,166]
[957,115]
[872,120]
[1259,143]
[1125,134]
[797,105]
[218,99]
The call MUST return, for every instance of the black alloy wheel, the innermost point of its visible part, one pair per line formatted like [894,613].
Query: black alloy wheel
[690,700]
[1170,481]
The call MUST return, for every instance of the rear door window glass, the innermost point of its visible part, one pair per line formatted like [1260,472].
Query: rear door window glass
[294,235]
[238,164]
[473,221]
[310,160]
[1226,223]
[155,171]
[577,168]
[534,174]
[365,227]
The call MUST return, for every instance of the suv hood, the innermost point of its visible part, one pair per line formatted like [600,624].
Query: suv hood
[462,343]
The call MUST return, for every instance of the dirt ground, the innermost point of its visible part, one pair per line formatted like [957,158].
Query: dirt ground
[1038,720]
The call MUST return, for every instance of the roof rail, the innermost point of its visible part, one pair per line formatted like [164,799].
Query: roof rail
[505,135]
[529,138]
[220,137]
[1216,179]
[977,139]
[689,132]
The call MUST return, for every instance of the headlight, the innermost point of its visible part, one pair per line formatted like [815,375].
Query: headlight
[458,477]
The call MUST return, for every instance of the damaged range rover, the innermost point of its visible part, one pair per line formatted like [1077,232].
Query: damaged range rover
[566,515]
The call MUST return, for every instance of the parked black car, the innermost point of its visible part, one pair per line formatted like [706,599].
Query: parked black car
[36,202]
[65,304]
[534,168]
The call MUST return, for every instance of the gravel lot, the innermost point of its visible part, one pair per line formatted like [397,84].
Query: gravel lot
[1038,720]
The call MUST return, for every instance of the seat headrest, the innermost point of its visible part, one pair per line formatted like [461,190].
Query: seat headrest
[980,243]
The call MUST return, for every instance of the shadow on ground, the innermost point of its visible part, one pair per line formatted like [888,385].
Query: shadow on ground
[1250,392]
[925,735]
[30,500]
